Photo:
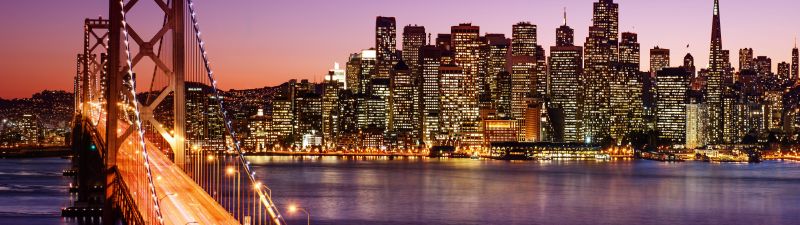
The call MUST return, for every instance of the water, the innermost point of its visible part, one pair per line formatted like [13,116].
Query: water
[33,191]
[463,191]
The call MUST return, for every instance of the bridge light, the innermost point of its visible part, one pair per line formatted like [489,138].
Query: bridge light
[230,170]
[257,186]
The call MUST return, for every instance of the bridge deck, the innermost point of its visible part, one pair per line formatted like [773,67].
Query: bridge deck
[183,201]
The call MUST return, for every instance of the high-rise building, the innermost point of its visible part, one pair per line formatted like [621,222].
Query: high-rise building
[717,72]
[414,37]
[763,66]
[696,120]
[353,73]
[783,71]
[659,59]
[688,64]
[430,60]
[565,36]
[504,94]
[522,70]
[795,62]
[452,100]
[385,45]
[260,138]
[283,121]
[596,82]
[566,88]
[671,87]
[600,57]
[367,71]
[444,42]
[746,59]
[626,89]
[523,39]
[330,102]
[402,108]
[496,58]
[466,47]
[337,74]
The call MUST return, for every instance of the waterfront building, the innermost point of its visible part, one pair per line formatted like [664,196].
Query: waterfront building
[466,47]
[402,109]
[499,130]
[626,90]
[671,88]
[430,59]
[260,126]
[565,86]
[283,121]
[452,100]
[718,71]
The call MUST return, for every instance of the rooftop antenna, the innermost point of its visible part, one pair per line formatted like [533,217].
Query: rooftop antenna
[565,16]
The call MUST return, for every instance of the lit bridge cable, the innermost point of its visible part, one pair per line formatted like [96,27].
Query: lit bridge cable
[263,199]
[137,116]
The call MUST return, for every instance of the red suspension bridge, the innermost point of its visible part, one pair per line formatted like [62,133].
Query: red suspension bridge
[166,154]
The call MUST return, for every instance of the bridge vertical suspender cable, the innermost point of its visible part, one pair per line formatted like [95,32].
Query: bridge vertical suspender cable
[137,117]
[274,215]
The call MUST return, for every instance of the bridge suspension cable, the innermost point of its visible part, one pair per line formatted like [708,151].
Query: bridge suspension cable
[258,187]
[137,117]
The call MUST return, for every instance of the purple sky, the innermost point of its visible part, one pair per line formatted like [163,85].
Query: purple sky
[255,43]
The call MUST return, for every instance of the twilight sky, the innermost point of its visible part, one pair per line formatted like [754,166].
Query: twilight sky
[255,43]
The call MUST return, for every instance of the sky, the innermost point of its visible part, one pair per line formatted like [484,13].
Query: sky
[256,43]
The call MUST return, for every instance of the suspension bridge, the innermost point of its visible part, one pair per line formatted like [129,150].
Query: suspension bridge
[153,141]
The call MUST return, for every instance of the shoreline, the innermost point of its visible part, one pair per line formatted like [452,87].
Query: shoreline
[36,152]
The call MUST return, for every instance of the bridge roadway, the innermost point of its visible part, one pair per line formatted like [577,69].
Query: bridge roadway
[183,201]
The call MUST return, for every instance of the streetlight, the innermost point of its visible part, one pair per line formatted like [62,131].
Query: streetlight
[294,208]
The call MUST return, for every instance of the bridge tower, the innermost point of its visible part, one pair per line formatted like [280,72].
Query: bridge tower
[172,32]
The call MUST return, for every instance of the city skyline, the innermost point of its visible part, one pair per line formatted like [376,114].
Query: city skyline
[258,71]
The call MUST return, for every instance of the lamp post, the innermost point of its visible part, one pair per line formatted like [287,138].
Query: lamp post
[294,208]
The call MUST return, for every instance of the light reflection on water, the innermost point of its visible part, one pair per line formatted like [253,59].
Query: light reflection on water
[341,190]
[375,190]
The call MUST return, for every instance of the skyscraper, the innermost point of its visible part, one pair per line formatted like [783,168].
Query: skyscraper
[452,99]
[414,37]
[565,36]
[566,69]
[430,60]
[601,55]
[783,71]
[596,77]
[746,59]
[385,45]
[353,72]
[496,57]
[659,59]
[718,66]
[523,39]
[367,70]
[671,87]
[626,89]
[763,66]
[795,62]
[465,42]
[522,70]
[403,91]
